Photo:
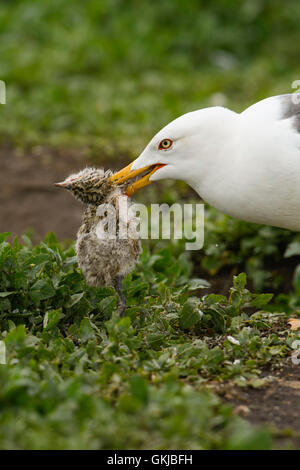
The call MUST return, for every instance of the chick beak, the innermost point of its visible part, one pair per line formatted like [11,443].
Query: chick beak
[127,174]
[63,184]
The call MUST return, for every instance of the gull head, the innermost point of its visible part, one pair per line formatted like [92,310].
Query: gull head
[186,149]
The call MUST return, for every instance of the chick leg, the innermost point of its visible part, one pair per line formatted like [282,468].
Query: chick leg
[122,300]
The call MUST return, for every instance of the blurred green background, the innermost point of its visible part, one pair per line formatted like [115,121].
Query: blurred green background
[108,74]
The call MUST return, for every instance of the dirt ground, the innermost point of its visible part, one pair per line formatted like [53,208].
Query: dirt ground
[275,405]
[30,201]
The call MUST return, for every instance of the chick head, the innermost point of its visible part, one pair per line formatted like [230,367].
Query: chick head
[90,186]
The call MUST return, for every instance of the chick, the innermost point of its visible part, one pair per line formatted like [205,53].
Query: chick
[104,261]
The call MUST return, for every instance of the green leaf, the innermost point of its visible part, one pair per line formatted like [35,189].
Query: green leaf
[155,340]
[240,281]
[136,287]
[51,239]
[86,330]
[190,314]
[82,307]
[71,261]
[211,299]
[4,236]
[261,300]
[41,290]
[108,305]
[74,299]
[27,240]
[217,317]
[214,357]
[16,336]
[6,294]
[52,318]
[138,388]
[197,283]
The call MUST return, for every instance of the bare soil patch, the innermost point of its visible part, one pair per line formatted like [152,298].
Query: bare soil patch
[275,405]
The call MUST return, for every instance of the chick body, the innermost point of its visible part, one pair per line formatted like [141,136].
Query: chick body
[104,261]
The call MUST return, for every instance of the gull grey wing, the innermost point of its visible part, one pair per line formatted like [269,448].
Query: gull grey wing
[291,108]
[277,108]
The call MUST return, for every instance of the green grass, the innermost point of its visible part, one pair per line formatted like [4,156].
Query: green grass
[78,376]
[107,75]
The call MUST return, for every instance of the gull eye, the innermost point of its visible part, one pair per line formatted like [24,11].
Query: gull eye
[165,144]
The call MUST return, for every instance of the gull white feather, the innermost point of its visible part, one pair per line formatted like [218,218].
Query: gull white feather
[246,165]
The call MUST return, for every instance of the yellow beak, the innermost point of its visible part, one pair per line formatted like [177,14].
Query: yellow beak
[126,174]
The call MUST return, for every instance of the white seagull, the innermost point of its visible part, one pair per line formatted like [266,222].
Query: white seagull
[246,165]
